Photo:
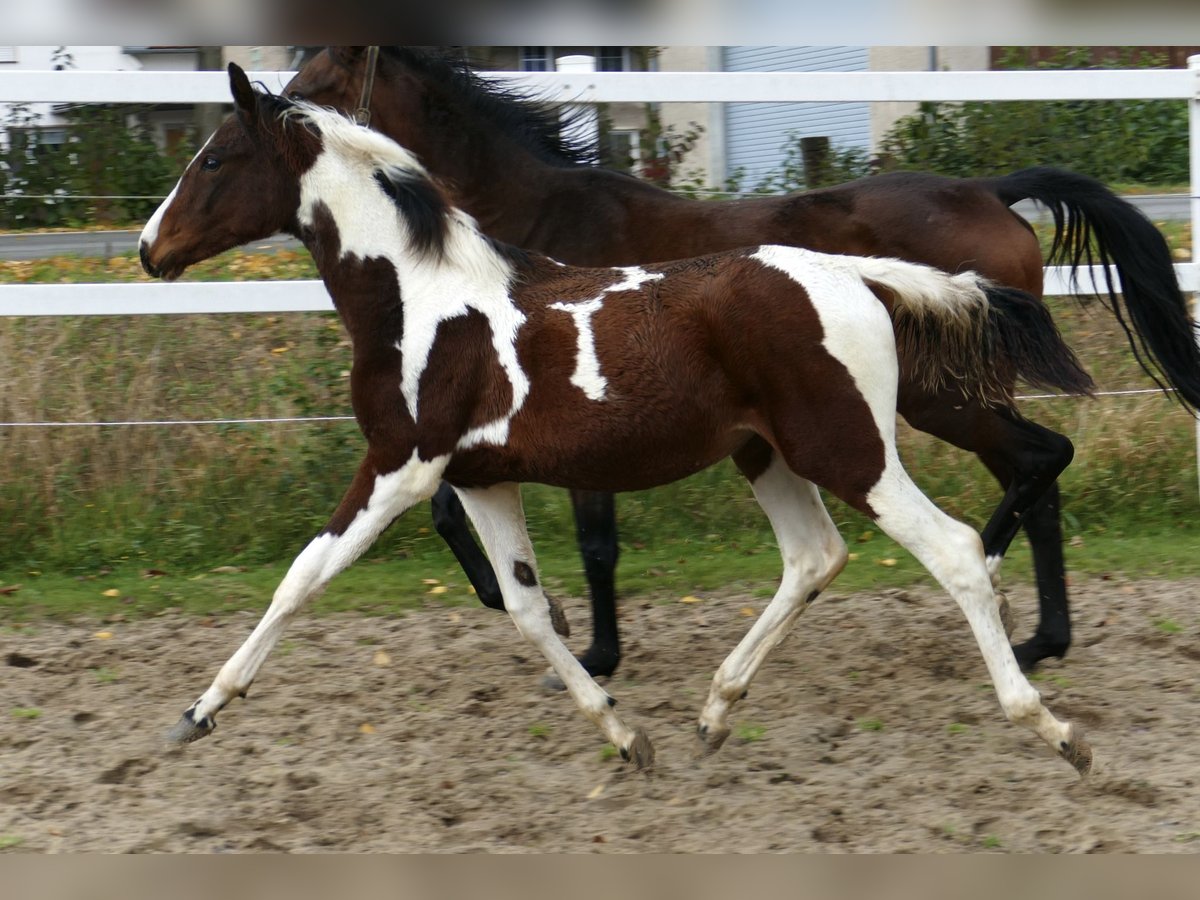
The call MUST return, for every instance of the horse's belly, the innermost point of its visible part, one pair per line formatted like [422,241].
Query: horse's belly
[590,453]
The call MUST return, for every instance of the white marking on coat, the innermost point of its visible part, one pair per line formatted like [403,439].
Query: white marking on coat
[587,376]
[470,275]
[150,231]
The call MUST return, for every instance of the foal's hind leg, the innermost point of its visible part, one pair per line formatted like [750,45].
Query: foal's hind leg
[377,496]
[953,554]
[813,554]
[500,521]
[1025,458]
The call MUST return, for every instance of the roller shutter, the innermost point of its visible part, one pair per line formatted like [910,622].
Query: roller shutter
[757,132]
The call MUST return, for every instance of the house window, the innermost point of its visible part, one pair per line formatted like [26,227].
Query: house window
[611,59]
[542,59]
[536,59]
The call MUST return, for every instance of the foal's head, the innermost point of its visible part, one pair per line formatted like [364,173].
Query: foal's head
[244,185]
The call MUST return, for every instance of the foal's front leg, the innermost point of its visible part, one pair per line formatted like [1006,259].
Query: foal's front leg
[376,497]
[500,521]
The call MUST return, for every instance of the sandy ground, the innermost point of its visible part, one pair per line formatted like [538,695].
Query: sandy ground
[871,728]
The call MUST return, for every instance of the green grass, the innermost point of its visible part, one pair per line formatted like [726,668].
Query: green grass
[750,733]
[662,570]
[85,511]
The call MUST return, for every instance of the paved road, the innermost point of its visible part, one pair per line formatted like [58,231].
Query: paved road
[1159,207]
[95,243]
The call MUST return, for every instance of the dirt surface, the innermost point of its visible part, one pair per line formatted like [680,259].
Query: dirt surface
[871,728]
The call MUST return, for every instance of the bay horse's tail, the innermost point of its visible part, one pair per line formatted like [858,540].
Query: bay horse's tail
[1093,225]
[965,330]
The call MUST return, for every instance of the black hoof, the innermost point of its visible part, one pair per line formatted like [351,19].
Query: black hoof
[189,729]
[1037,648]
[599,662]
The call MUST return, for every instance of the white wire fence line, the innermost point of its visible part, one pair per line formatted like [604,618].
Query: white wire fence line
[305,420]
[596,87]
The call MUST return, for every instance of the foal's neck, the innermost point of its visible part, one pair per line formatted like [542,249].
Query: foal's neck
[363,248]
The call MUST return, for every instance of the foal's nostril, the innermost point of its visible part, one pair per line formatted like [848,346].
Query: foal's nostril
[144,254]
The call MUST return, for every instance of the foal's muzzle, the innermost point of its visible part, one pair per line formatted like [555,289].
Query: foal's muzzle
[144,255]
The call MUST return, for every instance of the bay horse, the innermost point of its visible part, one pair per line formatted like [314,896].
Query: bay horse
[485,366]
[506,164]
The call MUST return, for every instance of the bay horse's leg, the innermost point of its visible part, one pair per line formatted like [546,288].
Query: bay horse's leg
[813,554]
[1026,459]
[596,531]
[1052,637]
[953,553]
[450,521]
[500,521]
[378,494]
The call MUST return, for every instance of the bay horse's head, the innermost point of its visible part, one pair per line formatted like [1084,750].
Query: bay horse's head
[243,185]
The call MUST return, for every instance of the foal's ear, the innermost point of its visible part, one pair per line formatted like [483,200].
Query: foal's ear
[244,97]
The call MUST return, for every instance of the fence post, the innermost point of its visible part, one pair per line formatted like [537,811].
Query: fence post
[1194,182]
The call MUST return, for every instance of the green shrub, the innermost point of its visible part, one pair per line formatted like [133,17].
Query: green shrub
[1117,141]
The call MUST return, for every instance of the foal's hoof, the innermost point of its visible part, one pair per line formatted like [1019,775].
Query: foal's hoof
[710,739]
[189,729]
[1077,751]
[640,751]
[558,618]
[1007,618]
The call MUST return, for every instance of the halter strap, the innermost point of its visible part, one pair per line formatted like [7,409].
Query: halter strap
[362,115]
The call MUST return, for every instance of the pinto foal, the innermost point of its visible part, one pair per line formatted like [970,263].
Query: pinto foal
[486,366]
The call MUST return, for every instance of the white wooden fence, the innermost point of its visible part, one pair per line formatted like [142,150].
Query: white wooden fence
[594,87]
[663,87]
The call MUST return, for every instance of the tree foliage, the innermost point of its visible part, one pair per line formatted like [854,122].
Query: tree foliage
[101,167]
[1118,141]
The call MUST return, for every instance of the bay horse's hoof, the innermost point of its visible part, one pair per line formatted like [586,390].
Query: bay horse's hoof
[551,682]
[1007,617]
[189,729]
[640,751]
[1037,648]
[558,618]
[710,739]
[1077,751]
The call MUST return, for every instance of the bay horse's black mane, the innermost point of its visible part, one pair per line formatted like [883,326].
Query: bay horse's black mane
[537,125]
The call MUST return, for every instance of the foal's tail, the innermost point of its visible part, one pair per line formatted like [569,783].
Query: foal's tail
[1093,225]
[970,332]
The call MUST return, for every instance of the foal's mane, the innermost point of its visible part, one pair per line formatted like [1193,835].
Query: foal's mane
[537,125]
[419,199]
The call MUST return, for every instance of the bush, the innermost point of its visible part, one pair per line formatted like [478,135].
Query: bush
[1117,141]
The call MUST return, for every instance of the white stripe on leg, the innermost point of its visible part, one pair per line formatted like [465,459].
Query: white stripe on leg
[499,519]
[813,554]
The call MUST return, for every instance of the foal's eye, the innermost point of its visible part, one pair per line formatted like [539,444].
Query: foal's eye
[295,95]
[210,164]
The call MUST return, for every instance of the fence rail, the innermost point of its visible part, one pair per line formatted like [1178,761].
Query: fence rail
[61,87]
[595,87]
